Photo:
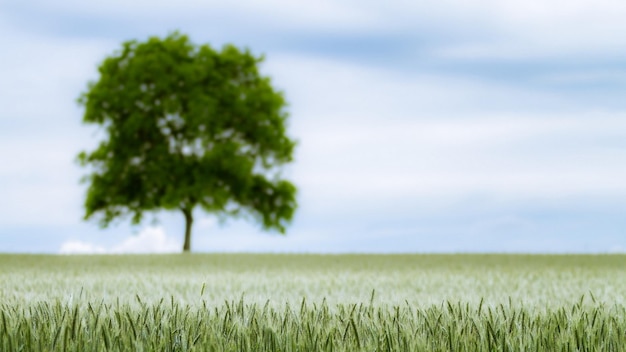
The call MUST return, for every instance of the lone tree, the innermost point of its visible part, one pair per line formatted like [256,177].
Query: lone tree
[187,126]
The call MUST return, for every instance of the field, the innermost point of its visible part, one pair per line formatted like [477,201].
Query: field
[238,302]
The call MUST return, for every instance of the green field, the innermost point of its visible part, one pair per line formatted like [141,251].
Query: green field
[238,302]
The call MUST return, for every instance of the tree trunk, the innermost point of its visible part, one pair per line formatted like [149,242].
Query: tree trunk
[188,223]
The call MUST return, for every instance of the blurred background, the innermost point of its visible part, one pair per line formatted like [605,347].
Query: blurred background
[430,126]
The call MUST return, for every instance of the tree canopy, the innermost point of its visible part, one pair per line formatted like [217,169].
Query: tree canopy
[187,126]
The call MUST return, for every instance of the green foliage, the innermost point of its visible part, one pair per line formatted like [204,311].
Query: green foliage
[187,126]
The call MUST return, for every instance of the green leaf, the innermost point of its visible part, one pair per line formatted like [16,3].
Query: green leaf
[186,125]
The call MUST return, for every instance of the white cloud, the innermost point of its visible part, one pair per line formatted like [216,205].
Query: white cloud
[323,91]
[207,222]
[370,134]
[366,134]
[321,15]
[44,75]
[149,240]
[585,77]
[520,30]
[40,179]
[79,247]
[373,134]
[481,29]
[41,126]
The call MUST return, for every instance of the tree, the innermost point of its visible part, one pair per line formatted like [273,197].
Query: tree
[187,126]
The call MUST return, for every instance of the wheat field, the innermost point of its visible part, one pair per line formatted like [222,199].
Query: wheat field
[305,302]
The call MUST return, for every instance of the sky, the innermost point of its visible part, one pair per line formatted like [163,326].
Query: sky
[422,126]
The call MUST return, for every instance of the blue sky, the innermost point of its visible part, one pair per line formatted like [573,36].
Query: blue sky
[432,126]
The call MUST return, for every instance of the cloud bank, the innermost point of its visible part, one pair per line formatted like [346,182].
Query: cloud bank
[149,240]
[421,124]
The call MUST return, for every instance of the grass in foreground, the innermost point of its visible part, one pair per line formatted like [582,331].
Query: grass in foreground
[312,302]
[235,326]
